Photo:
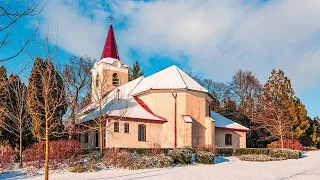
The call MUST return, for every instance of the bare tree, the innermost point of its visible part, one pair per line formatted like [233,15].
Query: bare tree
[9,17]
[18,121]
[77,78]
[245,88]
[109,104]
[46,98]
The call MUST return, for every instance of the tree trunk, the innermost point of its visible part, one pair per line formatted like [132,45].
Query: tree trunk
[46,176]
[20,152]
[281,140]
[101,138]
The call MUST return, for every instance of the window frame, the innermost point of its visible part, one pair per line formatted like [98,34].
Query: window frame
[226,140]
[126,127]
[115,82]
[142,132]
[116,127]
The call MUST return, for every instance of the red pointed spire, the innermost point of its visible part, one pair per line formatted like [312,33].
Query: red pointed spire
[110,46]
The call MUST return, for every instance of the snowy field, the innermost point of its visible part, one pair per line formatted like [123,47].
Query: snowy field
[307,168]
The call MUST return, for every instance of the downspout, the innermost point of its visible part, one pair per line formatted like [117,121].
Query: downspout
[175,119]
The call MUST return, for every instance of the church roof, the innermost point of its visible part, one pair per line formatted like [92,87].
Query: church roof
[128,105]
[223,122]
[110,47]
[169,78]
[120,103]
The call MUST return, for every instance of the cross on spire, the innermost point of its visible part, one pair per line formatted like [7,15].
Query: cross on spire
[110,17]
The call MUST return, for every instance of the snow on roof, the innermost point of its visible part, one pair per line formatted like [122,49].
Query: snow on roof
[120,103]
[223,122]
[169,78]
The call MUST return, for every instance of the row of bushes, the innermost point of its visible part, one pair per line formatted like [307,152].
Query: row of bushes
[121,158]
[278,153]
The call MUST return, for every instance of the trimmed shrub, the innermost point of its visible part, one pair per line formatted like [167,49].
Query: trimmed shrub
[62,152]
[287,144]
[257,151]
[208,148]
[204,157]
[182,156]
[285,153]
[123,159]
[7,157]
[224,151]
[147,162]
[118,158]
[78,169]
[260,158]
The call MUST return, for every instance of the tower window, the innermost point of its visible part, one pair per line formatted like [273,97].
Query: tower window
[228,139]
[97,81]
[115,79]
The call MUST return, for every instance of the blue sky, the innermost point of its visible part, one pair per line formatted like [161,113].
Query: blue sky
[211,38]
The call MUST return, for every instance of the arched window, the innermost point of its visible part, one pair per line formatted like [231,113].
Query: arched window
[97,81]
[116,127]
[228,139]
[126,127]
[115,79]
[142,132]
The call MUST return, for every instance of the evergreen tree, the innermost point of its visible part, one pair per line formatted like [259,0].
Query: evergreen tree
[135,72]
[3,100]
[300,123]
[310,137]
[46,99]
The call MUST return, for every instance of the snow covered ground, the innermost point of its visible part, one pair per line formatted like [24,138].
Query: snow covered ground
[307,167]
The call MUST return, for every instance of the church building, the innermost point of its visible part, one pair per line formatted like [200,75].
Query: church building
[167,109]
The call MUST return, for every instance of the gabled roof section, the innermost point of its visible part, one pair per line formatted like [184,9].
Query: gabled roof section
[223,122]
[110,49]
[120,103]
[169,78]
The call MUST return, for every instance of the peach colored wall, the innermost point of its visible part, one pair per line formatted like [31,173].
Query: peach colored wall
[238,138]
[121,139]
[161,102]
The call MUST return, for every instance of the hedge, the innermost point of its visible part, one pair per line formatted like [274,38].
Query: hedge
[224,151]
[277,153]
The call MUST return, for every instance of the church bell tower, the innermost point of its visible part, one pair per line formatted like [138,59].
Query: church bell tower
[109,72]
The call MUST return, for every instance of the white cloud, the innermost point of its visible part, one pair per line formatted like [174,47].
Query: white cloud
[218,37]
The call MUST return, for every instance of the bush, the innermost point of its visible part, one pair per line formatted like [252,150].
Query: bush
[118,158]
[62,152]
[7,156]
[205,157]
[78,169]
[287,144]
[260,158]
[285,153]
[224,151]
[147,162]
[123,159]
[182,156]
[257,151]
[208,148]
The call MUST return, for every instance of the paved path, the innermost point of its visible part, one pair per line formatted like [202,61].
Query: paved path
[305,168]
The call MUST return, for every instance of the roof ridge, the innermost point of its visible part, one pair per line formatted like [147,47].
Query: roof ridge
[181,76]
